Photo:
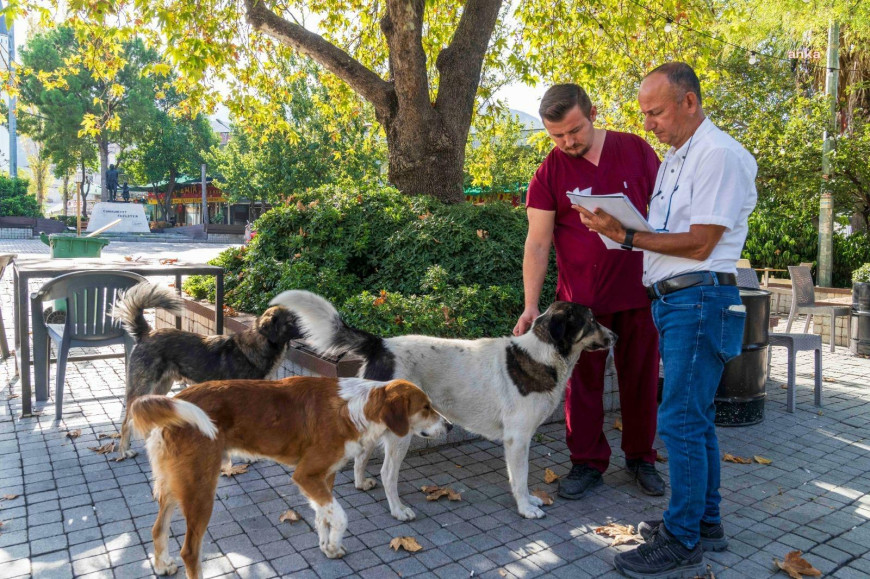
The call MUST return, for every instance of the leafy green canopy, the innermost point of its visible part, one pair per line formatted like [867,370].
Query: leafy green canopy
[391,264]
[14,200]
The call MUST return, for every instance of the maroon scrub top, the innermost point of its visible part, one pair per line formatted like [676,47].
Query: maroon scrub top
[605,280]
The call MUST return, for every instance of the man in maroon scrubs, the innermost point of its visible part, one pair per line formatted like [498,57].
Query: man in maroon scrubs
[608,281]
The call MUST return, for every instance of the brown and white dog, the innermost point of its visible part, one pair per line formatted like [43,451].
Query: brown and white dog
[316,424]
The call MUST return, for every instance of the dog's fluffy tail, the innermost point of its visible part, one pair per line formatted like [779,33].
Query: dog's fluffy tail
[323,328]
[152,411]
[130,307]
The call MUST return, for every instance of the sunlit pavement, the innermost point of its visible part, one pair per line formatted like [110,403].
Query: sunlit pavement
[80,513]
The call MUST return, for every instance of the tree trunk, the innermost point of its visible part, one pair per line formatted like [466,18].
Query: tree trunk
[65,194]
[103,145]
[426,139]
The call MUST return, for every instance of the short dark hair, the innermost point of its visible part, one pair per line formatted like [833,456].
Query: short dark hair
[561,98]
[681,76]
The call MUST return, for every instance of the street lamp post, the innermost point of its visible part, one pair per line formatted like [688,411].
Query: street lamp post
[8,36]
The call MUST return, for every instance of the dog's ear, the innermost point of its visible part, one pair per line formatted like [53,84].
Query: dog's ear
[558,324]
[396,410]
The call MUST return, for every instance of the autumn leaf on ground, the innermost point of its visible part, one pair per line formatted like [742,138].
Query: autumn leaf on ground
[783,386]
[168,261]
[796,566]
[230,312]
[617,424]
[826,379]
[621,534]
[73,434]
[8,497]
[289,515]
[128,258]
[502,572]
[105,449]
[434,492]
[550,476]
[661,458]
[737,459]
[409,544]
[108,435]
[12,397]
[544,496]
[234,469]
[762,460]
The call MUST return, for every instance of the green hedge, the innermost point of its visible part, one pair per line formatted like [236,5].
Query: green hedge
[391,264]
[781,235]
[14,200]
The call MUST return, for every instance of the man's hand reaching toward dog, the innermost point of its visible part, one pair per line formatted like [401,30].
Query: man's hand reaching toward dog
[525,322]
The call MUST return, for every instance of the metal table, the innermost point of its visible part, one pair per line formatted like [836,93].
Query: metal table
[27,269]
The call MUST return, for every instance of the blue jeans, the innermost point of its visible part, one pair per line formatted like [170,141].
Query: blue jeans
[697,335]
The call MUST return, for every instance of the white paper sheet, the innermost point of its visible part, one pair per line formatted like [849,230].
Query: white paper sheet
[615,204]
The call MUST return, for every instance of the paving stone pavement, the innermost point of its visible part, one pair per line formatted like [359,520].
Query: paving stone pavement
[81,514]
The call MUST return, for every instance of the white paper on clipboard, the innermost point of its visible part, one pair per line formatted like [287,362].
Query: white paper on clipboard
[615,204]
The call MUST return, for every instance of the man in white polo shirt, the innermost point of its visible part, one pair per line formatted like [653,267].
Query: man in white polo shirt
[704,193]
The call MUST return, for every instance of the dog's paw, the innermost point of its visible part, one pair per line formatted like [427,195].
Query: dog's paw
[367,484]
[404,513]
[166,566]
[536,501]
[532,512]
[333,551]
[125,455]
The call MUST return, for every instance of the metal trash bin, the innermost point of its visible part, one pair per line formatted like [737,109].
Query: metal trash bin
[741,394]
[859,343]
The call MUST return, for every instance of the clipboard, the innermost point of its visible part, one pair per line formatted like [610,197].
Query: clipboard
[615,204]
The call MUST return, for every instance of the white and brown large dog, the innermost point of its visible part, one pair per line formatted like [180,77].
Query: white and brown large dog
[316,424]
[500,388]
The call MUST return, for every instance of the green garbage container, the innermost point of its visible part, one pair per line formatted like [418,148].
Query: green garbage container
[68,245]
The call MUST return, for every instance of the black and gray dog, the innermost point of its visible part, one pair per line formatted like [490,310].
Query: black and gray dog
[162,357]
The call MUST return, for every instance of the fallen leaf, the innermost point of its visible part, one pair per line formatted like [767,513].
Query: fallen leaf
[762,460]
[12,397]
[289,515]
[105,449]
[9,497]
[502,572]
[434,492]
[230,312]
[409,544]
[73,434]
[826,379]
[234,469]
[617,424]
[108,435]
[482,233]
[550,476]
[544,496]
[128,258]
[783,386]
[168,260]
[621,534]
[661,458]
[796,566]
[737,459]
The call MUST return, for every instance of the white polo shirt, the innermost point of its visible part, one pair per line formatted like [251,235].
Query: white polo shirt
[710,180]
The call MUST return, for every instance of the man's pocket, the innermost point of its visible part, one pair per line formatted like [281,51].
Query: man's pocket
[733,322]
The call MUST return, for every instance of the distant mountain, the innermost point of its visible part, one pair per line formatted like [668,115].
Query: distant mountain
[530,122]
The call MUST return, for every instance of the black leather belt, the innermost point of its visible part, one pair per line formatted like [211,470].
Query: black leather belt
[687,280]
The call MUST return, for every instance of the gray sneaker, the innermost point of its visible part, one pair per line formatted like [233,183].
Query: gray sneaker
[578,481]
[712,536]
